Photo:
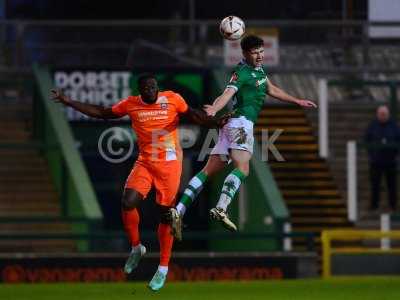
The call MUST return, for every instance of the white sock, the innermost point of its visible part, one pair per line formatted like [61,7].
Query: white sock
[223,202]
[181,208]
[231,185]
[163,269]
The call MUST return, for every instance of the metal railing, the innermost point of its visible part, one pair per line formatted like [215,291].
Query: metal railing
[105,42]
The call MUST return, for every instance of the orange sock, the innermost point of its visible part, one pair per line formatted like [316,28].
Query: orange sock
[166,240]
[131,220]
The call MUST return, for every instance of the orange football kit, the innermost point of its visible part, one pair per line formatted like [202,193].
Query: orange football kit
[160,158]
[160,155]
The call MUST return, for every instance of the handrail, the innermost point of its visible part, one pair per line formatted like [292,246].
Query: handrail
[65,142]
[351,235]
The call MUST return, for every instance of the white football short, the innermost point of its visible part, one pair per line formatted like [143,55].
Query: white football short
[236,134]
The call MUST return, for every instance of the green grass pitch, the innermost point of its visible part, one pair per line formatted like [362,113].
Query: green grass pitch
[352,288]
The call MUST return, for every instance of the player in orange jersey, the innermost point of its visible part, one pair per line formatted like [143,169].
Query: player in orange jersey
[155,117]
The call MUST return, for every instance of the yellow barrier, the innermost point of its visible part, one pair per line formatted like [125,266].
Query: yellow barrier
[351,235]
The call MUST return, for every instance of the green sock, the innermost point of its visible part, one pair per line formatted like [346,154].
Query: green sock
[192,190]
[231,185]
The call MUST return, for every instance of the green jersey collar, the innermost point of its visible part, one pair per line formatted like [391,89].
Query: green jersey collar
[243,62]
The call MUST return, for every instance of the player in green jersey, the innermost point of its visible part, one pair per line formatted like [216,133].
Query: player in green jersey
[248,86]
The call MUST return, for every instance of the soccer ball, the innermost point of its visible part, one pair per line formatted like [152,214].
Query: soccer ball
[232,28]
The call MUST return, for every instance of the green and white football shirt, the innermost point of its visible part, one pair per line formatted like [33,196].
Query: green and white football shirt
[251,85]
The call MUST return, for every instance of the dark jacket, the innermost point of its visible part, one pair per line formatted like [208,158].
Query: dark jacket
[382,141]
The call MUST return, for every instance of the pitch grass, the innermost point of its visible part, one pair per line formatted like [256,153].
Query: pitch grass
[352,288]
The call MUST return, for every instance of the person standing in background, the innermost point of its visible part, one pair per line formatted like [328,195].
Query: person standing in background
[383,139]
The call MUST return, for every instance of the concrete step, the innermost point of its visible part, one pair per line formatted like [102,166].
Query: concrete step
[355,133]
[293,129]
[300,158]
[294,171]
[342,160]
[23,214]
[282,121]
[285,138]
[12,173]
[349,107]
[22,165]
[301,175]
[318,221]
[11,134]
[35,227]
[269,113]
[40,246]
[297,147]
[30,205]
[34,197]
[306,184]
[21,197]
[28,179]
[299,165]
[318,229]
[310,193]
[11,124]
[305,212]
[312,203]
[292,156]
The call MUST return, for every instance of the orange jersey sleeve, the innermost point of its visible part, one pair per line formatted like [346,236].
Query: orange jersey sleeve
[181,105]
[121,108]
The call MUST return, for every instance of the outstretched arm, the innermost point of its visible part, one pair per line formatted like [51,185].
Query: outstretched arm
[281,95]
[200,117]
[91,110]
[220,102]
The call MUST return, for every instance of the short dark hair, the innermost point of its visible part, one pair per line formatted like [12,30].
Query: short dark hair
[144,76]
[250,42]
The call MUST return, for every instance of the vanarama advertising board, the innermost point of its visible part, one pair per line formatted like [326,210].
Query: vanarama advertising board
[108,267]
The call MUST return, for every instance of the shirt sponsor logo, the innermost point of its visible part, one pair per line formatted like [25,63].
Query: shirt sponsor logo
[260,82]
[152,115]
